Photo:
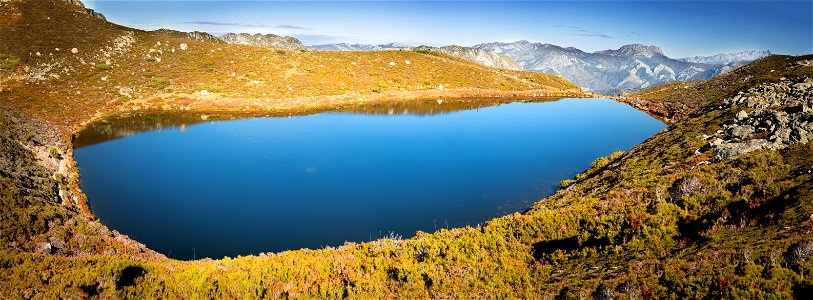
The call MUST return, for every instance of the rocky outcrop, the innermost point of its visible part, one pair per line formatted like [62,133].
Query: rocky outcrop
[479,56]
[86,10]
[194,35]
[772,116]
[264,40]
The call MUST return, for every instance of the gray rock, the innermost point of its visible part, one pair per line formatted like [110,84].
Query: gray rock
[264,40]
[742,115]
[44,248]
[733,150]
[741,132]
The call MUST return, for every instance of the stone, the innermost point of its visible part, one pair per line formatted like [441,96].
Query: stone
[741,131]
[74,50]
[440,86]
[204,92]
[803,85]
[742,115]
[733,150]
[44,248]
[184,46]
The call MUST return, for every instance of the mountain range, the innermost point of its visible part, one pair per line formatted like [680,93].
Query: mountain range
[728,58]
[360,47]
[628,69]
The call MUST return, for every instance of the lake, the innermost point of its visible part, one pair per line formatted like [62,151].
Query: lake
[193,186]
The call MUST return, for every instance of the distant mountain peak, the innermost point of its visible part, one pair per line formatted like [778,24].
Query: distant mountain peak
[634,50]
[727,58]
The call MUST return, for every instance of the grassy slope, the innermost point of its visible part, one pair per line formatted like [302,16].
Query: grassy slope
[616,230]
[145,72]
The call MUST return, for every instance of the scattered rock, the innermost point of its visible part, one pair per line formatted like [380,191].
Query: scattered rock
[184,46]
[392,64]
[126,92]
[782,114]
[74,50]
[799,252]
[204,92]
[44,248]
[729,151]
[440,86]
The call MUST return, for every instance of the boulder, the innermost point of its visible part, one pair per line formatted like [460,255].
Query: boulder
[741,132]
[733,150]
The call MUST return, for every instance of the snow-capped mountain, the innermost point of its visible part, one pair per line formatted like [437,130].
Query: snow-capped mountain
[629,68]
[728,58]
[360,47]
[480,56]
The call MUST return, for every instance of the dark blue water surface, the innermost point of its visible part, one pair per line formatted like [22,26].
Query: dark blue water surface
[255,185]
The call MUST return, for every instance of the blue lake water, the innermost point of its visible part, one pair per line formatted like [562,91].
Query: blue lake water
[226,188]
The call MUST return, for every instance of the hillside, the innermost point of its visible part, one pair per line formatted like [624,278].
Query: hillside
[686,214]
[78,66]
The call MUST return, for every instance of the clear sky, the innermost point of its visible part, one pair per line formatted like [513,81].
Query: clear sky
[680,28]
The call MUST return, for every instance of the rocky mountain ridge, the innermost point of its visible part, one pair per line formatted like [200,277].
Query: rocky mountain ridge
[360,47]
[264,40]
[728,58]
[483,57]
[629,68]
[86,10]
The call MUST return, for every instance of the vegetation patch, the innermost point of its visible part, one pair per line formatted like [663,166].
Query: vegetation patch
[158,83]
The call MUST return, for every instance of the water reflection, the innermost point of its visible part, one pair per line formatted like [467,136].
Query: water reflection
[127,124]
[270,184]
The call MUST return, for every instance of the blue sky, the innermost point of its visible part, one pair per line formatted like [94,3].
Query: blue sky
[680,28]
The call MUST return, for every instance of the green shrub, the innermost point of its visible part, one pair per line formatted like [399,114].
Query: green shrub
[566,183]
[8,63]
[158,83]
[53,152]
[103,67]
